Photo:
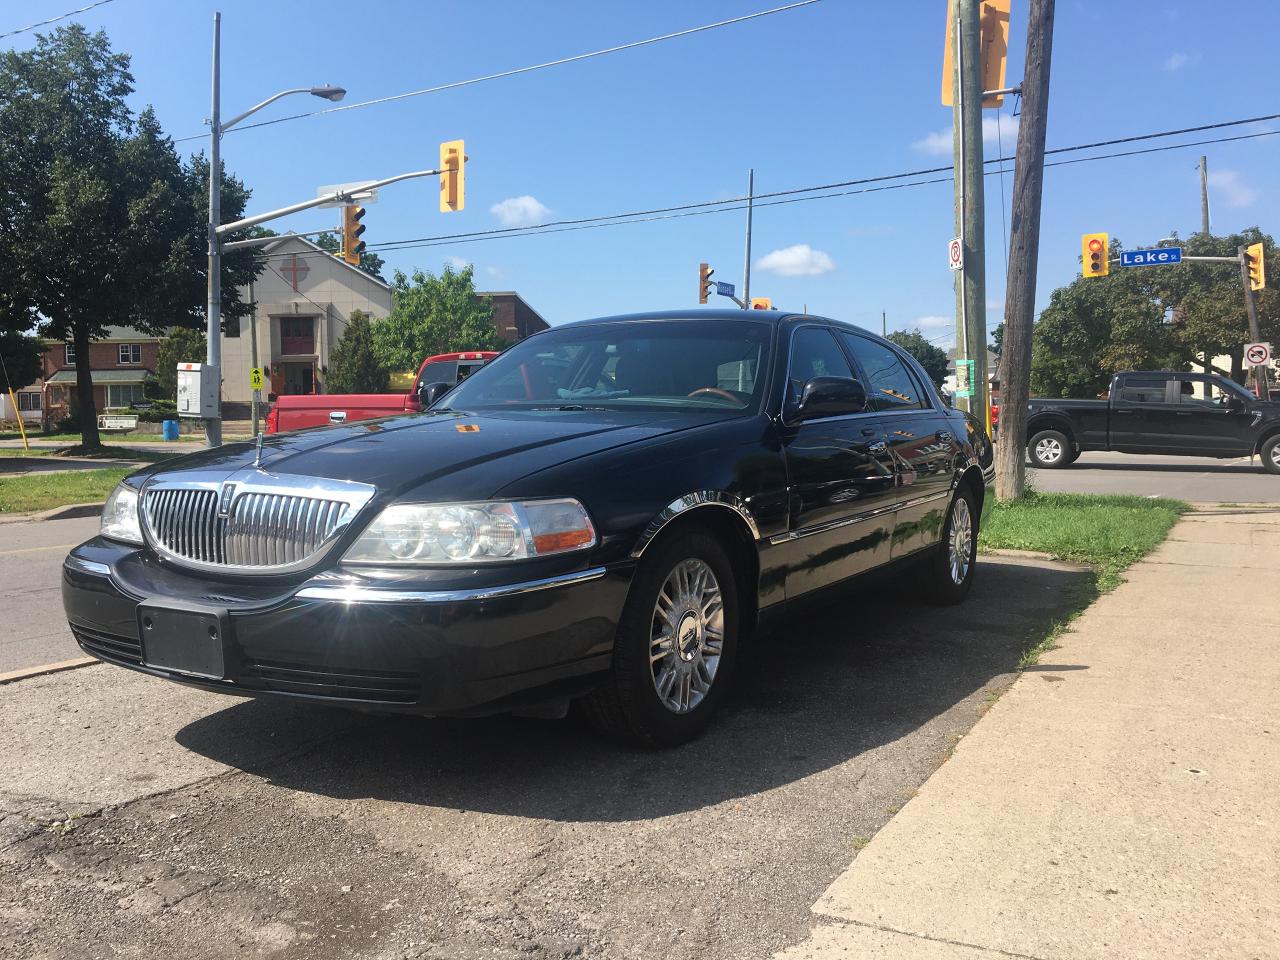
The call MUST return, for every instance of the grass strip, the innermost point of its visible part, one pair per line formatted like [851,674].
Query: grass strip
[1108,532]
[43,491]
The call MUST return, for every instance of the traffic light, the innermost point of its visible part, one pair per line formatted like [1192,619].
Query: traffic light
[352,245]
[761,303]
[452,163]
[704,281]
[1094,254]
[1257,266]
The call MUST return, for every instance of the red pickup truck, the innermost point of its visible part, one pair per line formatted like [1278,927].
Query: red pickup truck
[294,412]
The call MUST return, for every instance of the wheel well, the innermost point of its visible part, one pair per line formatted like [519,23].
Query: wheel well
[972,478]
[1262,440]
[732,531]
[1051,423]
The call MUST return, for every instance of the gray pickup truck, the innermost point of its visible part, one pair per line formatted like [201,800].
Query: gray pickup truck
[1161,411]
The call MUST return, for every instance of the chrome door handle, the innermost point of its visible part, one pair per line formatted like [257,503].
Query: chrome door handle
[878,446]
[946,436]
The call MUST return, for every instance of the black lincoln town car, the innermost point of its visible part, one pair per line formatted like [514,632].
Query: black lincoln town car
[605,512]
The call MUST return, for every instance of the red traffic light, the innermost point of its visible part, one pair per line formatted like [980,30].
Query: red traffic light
[1095,245]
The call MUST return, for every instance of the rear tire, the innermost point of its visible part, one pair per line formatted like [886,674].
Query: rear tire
[1050,450]
[951,569]
[676,645]
[1271,454]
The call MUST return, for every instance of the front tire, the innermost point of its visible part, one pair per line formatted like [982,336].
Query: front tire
[950,570]
[676,644]
[1271,454]
[1050,450]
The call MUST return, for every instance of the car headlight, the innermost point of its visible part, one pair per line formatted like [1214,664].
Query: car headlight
[465,533]
[120,515]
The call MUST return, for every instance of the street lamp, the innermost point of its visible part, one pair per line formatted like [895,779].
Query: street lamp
[213,311]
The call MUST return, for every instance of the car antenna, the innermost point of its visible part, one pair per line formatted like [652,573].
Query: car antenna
[257,457]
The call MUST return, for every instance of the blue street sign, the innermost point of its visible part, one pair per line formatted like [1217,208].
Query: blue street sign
[724,289]
[1150,258]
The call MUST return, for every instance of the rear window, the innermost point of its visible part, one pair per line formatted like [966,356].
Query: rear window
[1143,390]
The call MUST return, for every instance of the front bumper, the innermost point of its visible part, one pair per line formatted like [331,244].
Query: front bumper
[436,642]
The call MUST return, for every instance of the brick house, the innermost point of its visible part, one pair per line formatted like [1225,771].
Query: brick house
[119,364]
[512,317]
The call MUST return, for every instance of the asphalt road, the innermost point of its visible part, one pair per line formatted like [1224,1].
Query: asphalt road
[141,818]
[31,553]
[1197,479]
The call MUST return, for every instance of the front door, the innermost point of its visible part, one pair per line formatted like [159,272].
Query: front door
[921,442]
[1207,423]
[840,478]
[298,378]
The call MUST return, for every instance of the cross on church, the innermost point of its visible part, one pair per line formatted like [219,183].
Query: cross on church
[297,269]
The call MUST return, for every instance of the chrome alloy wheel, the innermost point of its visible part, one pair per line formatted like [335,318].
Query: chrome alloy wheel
[960,544]
[686,637]
[1275,456]
[1049,450]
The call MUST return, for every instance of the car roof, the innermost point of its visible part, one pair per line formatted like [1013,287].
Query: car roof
[773,317]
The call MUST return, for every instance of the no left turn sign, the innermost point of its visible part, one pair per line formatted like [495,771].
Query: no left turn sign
[955,254]
[1257,354]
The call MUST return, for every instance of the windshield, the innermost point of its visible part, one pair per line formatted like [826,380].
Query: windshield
[671,364]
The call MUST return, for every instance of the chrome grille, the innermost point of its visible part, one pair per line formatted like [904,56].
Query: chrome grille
[259,530]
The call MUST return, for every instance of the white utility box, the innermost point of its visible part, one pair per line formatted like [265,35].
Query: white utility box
[197,391]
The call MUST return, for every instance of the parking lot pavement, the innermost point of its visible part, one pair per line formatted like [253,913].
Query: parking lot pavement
[34,629]
[1195,479]
[214,827]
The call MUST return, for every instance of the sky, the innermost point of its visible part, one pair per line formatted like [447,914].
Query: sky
[833,91]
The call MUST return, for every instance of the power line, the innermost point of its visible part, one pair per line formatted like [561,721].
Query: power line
[45,23]
[518,70]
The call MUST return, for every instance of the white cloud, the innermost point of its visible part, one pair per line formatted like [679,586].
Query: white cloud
[457,264]
[1230,188]
[800,260]
[1177,60]
[493,271]
[520,211]
[994,132]
[932,322]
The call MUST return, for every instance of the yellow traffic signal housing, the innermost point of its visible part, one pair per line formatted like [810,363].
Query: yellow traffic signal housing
[1094,254]
[994,20]
[453,161]
[352,228]
[761,303]
[1257,266]
[704,281]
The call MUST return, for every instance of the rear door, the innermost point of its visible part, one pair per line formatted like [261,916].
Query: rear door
[840,477]
[920,437]
[1144,413]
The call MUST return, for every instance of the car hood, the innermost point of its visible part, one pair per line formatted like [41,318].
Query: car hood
[454,454]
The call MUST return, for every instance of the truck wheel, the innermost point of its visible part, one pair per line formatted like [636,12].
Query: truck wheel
[1271,454]
[675,647]
[1050,449]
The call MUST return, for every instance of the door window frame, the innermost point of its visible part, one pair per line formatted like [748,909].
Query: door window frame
[908,364]
[786,375]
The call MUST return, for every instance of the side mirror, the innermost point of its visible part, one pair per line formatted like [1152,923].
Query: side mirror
[830,397]
[429,393]
[1235,402]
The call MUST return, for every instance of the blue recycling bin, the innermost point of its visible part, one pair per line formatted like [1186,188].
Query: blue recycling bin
[169,428]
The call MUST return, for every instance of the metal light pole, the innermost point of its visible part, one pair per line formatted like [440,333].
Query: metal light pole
[213,308]
[746,266]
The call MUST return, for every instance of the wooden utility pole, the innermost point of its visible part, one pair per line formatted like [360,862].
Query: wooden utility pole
[1024,252]
[1204,195]
[971,294]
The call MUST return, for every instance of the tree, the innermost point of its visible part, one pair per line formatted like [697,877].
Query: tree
[354,366]
[102,223]
[370,263]
[996,345]
[181,346]
[430,315]
[933,359]
[20,354]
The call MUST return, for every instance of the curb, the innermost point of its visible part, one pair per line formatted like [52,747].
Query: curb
[13,676]
[67,511]
[1023,554]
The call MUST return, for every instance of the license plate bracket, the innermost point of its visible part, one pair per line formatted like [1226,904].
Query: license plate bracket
[184,638]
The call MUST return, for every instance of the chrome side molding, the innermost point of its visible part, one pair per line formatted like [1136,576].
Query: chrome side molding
[361,593]
[692,501]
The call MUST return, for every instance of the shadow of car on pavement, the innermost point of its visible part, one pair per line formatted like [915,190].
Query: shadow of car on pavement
[861,671]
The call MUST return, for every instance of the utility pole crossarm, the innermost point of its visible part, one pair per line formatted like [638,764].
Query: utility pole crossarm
[338,196]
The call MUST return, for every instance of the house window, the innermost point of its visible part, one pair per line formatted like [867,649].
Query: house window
[69,354]
[130,353]
[122,394]
[29,401]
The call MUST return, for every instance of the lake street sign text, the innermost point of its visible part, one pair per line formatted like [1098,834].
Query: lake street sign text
[1150,258]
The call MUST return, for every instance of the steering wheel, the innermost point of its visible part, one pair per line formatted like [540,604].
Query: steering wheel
[718,392]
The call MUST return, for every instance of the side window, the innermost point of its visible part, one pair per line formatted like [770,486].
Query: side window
[1204,393]
[1144,390]
[814,353]
[890,385]
[442,371]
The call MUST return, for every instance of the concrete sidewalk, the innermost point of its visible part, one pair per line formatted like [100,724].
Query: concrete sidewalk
[1122,799]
